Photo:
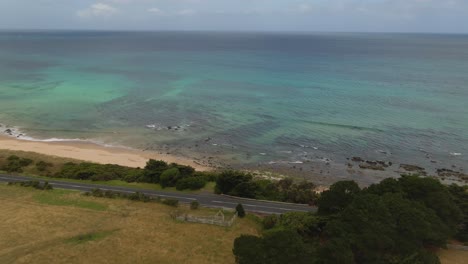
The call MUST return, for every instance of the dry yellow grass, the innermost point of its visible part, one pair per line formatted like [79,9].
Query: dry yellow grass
[452,256]
[47,227]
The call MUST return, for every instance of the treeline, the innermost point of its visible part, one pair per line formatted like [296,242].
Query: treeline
[158,172]
[396,221]
[237,183]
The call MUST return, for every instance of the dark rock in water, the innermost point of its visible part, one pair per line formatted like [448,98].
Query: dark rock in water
[169,127]
[409,167]
[451,173]
[9,131]
[374,165]
[371,166]
[433,161]
[414,168]
[357,159]
[207,139]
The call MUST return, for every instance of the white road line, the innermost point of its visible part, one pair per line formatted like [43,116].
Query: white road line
[178,197]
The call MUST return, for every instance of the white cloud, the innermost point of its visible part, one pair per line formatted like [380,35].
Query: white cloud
[98,10]
[155,10]
[186,12]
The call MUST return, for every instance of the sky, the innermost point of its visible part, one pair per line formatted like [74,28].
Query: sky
[438,16]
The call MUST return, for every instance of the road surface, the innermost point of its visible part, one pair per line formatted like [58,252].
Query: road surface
[205,199]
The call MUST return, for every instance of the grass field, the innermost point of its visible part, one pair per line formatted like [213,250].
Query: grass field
[65,227]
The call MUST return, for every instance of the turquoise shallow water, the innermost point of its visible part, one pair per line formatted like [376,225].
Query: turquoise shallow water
[247,99]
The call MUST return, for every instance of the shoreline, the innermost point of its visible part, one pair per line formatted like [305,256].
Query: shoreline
[92,152]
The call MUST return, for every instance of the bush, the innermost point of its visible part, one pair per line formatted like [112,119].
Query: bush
[240,210]
[245,189]
[194,205]
[153,171]
[98,172]
[34,184]
[228,180]
[138,196]
[16,164]
[42,165]
[169,177]
[171,202]
[209,176]
[192,183]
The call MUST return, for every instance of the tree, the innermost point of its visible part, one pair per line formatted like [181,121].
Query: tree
[185,171]
[434,195]
[192,183]
[169,177]
[228,180]
[338,197]
[285,246]
[388,185]
[249,249]
[335,251]
[386,229]
[240,210]
[277,246]
[153,170]
[460,197]
[245,189]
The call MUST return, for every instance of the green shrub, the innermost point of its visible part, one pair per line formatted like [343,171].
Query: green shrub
[169,177]
[240,211]
[34,184]
[194,205]
[171,202]
[139,197]
[209,176]
[153,171]
[42,165]
[192,183]
[228,180]
[16,164]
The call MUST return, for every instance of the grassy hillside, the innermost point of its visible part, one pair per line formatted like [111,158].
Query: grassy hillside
[65,227]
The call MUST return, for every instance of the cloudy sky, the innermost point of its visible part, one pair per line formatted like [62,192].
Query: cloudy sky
[449,16]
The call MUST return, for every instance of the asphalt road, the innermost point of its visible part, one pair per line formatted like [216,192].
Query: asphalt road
[205,199]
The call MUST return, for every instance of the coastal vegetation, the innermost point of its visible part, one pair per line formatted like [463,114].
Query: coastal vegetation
[401,220]
[237,183]
[160,173]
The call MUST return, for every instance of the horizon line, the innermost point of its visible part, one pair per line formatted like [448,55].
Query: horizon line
[229,31]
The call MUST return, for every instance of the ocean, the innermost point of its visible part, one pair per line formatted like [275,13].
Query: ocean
[299,103]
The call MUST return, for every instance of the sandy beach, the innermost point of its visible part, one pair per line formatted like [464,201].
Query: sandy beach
[94,153]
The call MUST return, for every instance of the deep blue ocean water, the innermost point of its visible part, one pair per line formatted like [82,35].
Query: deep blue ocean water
[245,99]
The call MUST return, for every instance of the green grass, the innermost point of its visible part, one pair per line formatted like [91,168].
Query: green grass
[89,237]
[66,198]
